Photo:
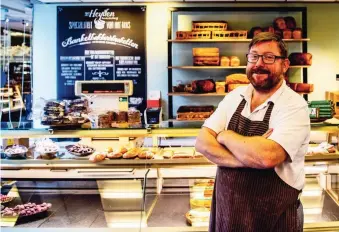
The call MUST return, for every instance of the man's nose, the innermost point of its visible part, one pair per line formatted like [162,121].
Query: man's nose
[260,62]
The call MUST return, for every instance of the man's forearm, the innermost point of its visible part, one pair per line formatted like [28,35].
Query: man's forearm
[222,157]
[256,151]
[216,153]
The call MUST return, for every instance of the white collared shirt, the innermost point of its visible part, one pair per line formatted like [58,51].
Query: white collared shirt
[289,119]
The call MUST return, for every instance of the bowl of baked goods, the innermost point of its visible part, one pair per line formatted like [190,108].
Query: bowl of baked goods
[5,198]
[16,152]
[46,149]
[79,149]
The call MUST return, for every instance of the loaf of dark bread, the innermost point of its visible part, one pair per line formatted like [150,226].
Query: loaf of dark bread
[203,86]
[279,23]
[297,58]
[290,22]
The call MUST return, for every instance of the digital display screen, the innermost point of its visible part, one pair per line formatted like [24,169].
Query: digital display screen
[93,88]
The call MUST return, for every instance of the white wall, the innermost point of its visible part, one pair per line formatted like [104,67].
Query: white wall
[323,31]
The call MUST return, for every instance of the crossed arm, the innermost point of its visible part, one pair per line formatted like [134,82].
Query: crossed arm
[230,149]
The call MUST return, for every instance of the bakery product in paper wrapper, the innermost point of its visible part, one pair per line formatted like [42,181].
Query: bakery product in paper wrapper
[237,78]
[231,87]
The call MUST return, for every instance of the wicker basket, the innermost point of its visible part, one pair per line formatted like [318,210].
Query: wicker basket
[206,60]
[193,35]
[209,26]
[229,35]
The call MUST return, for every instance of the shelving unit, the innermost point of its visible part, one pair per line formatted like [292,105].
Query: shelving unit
[179,64]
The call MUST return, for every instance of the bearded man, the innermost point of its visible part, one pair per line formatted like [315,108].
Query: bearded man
[258,137]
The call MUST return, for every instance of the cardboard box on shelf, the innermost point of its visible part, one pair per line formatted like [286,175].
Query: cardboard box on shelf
[334,97]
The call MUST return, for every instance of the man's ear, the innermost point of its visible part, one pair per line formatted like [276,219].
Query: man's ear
[286,65]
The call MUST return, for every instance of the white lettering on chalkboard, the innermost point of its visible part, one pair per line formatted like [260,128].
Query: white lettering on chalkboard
[99,38]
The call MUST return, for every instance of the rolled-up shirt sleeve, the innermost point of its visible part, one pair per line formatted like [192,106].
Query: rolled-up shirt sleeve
[217,121]
[291,128]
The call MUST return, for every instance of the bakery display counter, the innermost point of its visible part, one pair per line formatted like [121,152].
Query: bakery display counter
[96,205]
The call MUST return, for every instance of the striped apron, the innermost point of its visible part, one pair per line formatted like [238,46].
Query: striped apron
[248,199]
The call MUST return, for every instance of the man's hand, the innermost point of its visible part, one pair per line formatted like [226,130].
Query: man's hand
[207,144]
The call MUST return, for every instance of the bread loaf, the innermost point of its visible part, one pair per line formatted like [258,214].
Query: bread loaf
[132,153]
[237,78]
[235,61]
[225,61]
[97,157]
[206,60]
[118,153]
[146,155]
[279,23]
[297,58]
[302,87]
[205,52]
[269,29]
[290,22]
[203,86]
[231,87]
[254,31]
[287,34]
[297,33]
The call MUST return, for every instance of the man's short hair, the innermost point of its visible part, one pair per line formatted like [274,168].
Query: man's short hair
[267,37]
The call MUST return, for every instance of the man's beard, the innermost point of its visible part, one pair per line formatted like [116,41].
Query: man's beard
[269,83]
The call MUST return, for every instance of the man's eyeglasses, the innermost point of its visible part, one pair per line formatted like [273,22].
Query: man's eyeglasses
[267,58]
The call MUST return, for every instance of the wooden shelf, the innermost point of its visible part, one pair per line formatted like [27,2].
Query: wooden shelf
[225,67]
[227,41]
[197,94]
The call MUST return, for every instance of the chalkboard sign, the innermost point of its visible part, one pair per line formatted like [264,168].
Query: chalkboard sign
[101,43]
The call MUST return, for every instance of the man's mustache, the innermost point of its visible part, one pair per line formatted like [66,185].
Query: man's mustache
[260,71]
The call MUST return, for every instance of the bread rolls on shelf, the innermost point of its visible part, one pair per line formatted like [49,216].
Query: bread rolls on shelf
[97,157]
[237,78]
[132,153]
[117,153]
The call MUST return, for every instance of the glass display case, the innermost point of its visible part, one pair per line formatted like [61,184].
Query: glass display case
[169,190]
